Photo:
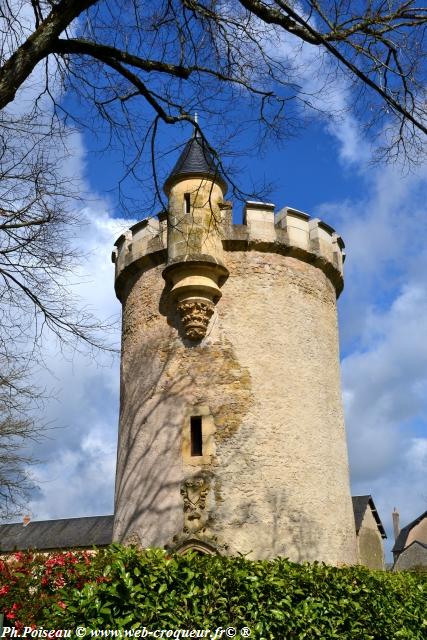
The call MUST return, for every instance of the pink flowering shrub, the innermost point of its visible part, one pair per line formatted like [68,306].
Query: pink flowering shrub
[30,584]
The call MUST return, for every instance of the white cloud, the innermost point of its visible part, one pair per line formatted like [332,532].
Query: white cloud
[76,474]
[323,87]
[383,316]
[383,321]
[386,384]
[78,456]
[416,456]
[79,481]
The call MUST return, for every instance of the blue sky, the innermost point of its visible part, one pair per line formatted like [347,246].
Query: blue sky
[380,210]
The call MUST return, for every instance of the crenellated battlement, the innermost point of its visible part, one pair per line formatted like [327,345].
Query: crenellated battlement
[288,232]
[144,241]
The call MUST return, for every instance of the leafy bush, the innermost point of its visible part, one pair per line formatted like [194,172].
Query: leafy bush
[123,588]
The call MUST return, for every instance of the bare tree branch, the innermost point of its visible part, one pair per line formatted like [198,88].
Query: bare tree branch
[22,62]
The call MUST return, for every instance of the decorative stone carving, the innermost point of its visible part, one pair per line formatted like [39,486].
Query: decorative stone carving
[133,540]
[198,543]
[195,289]
[194,492]
[195,316]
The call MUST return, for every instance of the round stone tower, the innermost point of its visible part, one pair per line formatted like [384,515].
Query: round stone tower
[231,434]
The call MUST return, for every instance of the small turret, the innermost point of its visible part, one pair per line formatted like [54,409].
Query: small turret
[195,268]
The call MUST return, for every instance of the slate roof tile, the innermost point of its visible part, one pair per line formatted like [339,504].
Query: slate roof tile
[196,159]
[57,534]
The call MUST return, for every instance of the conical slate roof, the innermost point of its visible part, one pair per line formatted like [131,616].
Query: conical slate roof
[195,160]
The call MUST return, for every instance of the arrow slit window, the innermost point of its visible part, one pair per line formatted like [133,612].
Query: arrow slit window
[187,203]
[196,436]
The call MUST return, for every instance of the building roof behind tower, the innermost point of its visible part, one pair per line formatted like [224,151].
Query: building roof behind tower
[360,504]
[70,533]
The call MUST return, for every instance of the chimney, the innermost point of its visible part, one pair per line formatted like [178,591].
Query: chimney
[396,526]
[26,520]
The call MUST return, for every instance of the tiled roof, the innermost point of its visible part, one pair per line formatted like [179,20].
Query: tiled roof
[57,534]
[196,159]
[400,543]
[360,504]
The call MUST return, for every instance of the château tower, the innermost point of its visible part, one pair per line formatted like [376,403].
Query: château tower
[231,434]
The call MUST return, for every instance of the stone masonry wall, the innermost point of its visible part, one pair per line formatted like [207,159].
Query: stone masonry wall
[267,374]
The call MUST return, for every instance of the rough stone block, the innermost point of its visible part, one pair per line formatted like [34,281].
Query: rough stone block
[298,229]
[259,218]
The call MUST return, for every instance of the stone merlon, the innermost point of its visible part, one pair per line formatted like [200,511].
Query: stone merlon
[288,232]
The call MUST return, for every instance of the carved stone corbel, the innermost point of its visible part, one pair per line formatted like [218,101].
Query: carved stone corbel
[195,291]
[195,315]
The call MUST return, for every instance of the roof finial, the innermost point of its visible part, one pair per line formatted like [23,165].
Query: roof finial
[196,124]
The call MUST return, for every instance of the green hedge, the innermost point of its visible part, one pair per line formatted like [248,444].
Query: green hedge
[123,588]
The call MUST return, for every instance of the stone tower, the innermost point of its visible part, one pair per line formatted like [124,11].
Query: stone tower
[231,434]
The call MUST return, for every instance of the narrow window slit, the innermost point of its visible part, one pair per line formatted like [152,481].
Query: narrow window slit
[196,436]
[187,203]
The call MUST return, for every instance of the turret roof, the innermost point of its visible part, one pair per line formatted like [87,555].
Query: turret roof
[196,159]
